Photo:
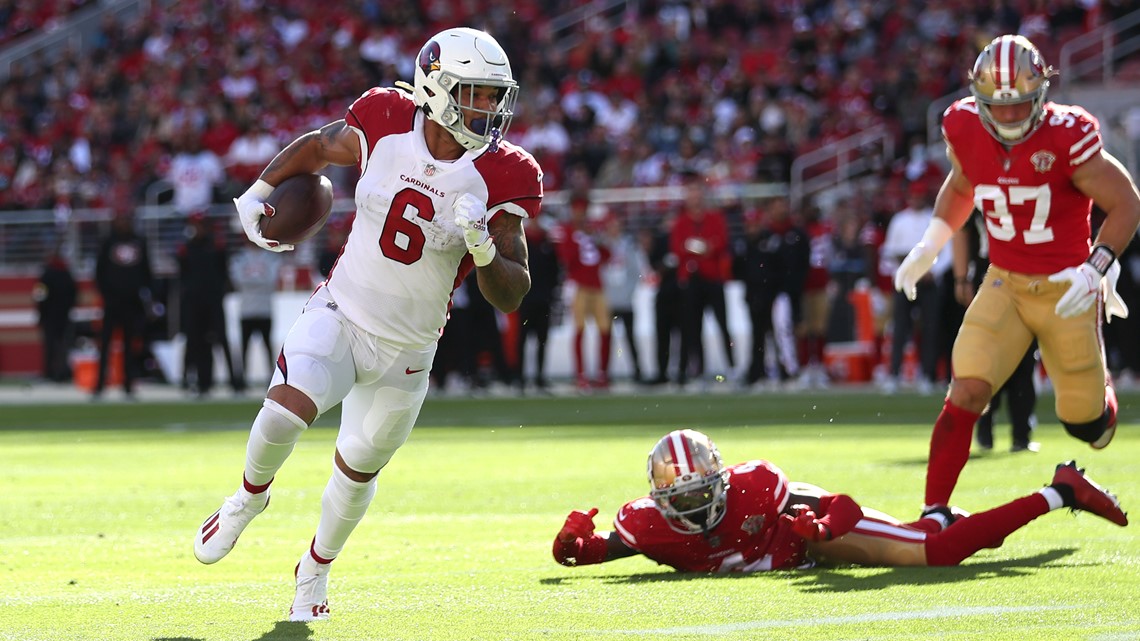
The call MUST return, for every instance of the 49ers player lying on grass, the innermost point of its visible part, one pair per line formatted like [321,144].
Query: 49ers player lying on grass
[701,516]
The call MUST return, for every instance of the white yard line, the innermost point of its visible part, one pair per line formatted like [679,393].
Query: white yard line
[935,613]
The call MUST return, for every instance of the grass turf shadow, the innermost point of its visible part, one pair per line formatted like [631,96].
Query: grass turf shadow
[841,579]
[282,631]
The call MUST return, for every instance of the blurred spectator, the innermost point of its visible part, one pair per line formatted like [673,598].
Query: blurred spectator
[254,273]
[484,344]
[772,261]
[203,272]
[583,255]
[620,277]
[667,299]
[548,141]
[620,168]
[848,270]
[699,239]
[194,173]
[123,276]
[454,364]
[816,301]
[250,152]
[1122,335]
[54,294]
[904,232]
[534,314]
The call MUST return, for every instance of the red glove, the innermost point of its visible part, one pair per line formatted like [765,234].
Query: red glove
[578,525]
[805,524]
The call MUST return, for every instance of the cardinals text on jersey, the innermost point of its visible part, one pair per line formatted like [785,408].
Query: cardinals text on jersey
[1038,221]
[405,255]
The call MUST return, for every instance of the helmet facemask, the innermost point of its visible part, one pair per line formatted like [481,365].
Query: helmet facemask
[688,481]
[449,69]
[1010,71]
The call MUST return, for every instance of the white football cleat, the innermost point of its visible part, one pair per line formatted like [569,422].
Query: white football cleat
[311,603]
[220,532]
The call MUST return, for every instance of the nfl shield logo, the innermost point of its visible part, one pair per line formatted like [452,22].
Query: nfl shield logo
[429,170]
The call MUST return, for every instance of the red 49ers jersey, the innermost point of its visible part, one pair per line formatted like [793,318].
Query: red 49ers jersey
[750,537]
[582,256]
[405,255]
[1037,220]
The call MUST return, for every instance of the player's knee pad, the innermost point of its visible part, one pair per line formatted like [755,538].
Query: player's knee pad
[317,360]
[1090,431]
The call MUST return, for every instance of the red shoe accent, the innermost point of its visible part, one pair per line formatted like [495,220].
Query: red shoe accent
[1089,496]
[211,521]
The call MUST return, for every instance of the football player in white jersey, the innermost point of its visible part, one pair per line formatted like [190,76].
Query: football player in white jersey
[440,192]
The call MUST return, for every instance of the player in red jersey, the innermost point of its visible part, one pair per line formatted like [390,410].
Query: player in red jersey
[701,516]
[583,256]
[440,193]
[1034,168]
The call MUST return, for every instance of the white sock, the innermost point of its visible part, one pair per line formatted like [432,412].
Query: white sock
[1052,497]
[342,506]
[275,431]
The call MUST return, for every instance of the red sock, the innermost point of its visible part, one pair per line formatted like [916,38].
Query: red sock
[578,353]
[949,449]
[254,489]
[604,357]
[820,345]
[982,530]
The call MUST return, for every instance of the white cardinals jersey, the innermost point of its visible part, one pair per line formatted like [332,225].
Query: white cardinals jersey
[405,255]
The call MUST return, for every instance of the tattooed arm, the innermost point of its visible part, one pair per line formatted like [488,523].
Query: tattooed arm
[334,144]
[505,280]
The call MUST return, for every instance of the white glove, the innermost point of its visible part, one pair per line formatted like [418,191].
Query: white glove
[251,206]
[1113,303]
[922,257]
[471,216]
[1084,283]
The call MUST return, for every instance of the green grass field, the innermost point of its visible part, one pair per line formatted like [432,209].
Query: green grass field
[100,503]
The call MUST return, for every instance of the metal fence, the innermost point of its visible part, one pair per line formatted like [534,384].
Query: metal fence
[27,237]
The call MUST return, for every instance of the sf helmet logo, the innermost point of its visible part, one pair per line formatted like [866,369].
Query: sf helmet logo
[429,57]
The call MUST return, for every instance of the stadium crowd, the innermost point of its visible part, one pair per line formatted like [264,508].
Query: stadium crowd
[200,95]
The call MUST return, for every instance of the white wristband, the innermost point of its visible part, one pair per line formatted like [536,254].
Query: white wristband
[484,254]
[261,189]
[937,234]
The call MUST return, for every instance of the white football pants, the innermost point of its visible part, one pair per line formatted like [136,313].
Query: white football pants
[382,385]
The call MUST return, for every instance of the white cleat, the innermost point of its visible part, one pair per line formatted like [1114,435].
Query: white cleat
[311,603]
[220,532]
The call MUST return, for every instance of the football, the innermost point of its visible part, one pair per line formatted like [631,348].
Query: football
[301,205]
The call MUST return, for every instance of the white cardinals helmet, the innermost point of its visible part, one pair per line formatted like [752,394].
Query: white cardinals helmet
[450,65]
[688,481]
